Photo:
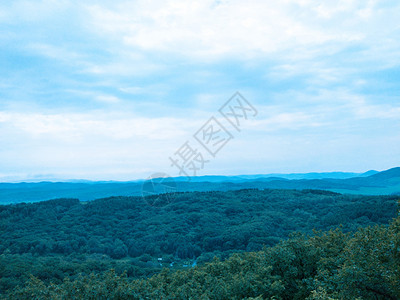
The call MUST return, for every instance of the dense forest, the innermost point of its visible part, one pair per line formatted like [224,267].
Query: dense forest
[330,265]
[66,238]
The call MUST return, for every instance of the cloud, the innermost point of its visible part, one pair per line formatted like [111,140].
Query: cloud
[205,29]
[136,79]
[92,146]
[56,53]
[80,127]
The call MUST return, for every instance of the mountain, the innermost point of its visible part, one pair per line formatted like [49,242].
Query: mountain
[313,175]
[388,174]
[275,176]
[368,183]
[85,191]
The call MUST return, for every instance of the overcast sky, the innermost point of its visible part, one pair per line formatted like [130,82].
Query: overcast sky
[111,90]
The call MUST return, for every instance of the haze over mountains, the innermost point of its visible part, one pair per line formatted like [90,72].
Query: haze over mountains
[211,178]
[368,183]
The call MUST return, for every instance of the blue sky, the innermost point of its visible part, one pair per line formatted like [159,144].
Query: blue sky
[110,90]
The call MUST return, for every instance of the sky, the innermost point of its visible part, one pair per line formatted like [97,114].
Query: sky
[113,90]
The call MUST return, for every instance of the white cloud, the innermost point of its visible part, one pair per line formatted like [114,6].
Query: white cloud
[56,53]
[74,127]
[203,29]
[364,110]
[134,90]
[108,99]
[96,146]
[136,79]
[293,121]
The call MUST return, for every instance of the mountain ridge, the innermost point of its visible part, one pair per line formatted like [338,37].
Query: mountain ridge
[367,183]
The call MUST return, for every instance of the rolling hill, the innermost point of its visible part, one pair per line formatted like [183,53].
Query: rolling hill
[369,183]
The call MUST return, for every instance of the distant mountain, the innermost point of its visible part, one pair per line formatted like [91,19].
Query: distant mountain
[85,191]
[388,174]
[368,183]
[272,176]
[369,173]
[204,178]
[325,175]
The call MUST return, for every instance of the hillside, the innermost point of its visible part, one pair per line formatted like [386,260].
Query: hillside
[329,265]
[64,237]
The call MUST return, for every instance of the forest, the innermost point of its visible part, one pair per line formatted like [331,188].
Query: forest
[64,239]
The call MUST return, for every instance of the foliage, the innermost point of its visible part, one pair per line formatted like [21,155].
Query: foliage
[65,238]
[328,265]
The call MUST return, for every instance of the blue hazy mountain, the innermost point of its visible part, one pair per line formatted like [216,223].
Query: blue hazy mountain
[275,176]
[368,183]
